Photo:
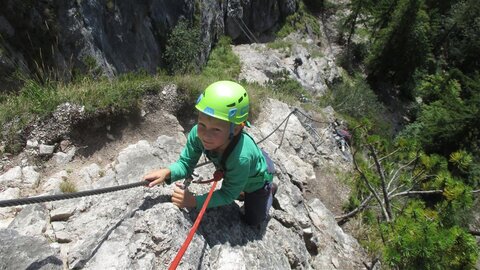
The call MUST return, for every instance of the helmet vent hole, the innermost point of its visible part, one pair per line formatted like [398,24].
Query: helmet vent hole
[240,99]
[231,105]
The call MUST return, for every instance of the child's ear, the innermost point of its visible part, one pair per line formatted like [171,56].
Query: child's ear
[237,129]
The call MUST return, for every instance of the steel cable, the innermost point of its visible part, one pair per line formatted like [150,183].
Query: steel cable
[57,197]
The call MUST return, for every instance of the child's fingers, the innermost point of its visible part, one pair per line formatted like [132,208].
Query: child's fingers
[177,202]
[178,192]
[178,196]
[153,175]
[150,176]
[154,182]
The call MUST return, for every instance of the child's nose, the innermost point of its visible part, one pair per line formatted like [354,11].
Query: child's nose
[209,134]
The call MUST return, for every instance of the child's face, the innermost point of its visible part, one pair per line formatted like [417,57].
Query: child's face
[214,133]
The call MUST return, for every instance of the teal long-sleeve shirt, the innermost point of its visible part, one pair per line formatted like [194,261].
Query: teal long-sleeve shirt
[246,168]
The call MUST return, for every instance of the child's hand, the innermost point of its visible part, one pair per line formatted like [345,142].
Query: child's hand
[157,177]
[183,197]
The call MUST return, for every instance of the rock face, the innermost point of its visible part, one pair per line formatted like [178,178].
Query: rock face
[141,229]
[58,38]
[111,36]
[315,74]
[28,252]
[254,21]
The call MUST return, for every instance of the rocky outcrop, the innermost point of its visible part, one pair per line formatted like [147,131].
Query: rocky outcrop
[141,229]
[28,252]
[317,71]
[58,39]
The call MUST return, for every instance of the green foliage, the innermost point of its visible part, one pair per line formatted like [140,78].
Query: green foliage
[355,98]
[92,68]
[438,87]
[455,209]
[352,58]
[462,160]
[401,47]
[121,94]
[433,163]
[300,21]
[282,83]
[431,224]
[36,100]
[362,228]
[257,94]
[417,240]
[190,86]
[461,39]
[281,45]
[183,48]
[223,63]
[67,186]
[422,50]
[446,122]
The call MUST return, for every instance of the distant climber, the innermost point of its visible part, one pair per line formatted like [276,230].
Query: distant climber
[342,135]
[296,63]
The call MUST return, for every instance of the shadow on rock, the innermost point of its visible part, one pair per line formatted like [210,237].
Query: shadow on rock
[149,202]
[50,260]
[224,224]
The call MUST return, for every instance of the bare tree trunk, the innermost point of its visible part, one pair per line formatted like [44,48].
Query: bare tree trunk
[381,172]
[371,189]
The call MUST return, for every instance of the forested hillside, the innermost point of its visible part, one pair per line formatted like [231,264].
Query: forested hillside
[420,58]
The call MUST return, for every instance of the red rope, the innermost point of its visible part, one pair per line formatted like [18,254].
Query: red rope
[217,176]
[184,247]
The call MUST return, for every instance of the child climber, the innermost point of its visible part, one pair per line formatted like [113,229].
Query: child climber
[223,112]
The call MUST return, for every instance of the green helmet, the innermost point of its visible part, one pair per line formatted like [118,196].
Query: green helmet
[225,100]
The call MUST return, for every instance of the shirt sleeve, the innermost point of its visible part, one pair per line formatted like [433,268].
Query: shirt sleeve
[188,158]
[232,185]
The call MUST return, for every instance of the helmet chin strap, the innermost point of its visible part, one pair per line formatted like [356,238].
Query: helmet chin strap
[232,126]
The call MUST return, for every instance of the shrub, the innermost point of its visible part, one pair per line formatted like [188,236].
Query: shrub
[282,84]
[417,240]
[355,98]
[183,48]
[300,20]
[223,63]
[68,186]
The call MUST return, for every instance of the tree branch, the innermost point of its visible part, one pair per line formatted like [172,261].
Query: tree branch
[416,192]
[370,188]
[414,180]
[398,170]
[384,157]
[473,232]
[341,219]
